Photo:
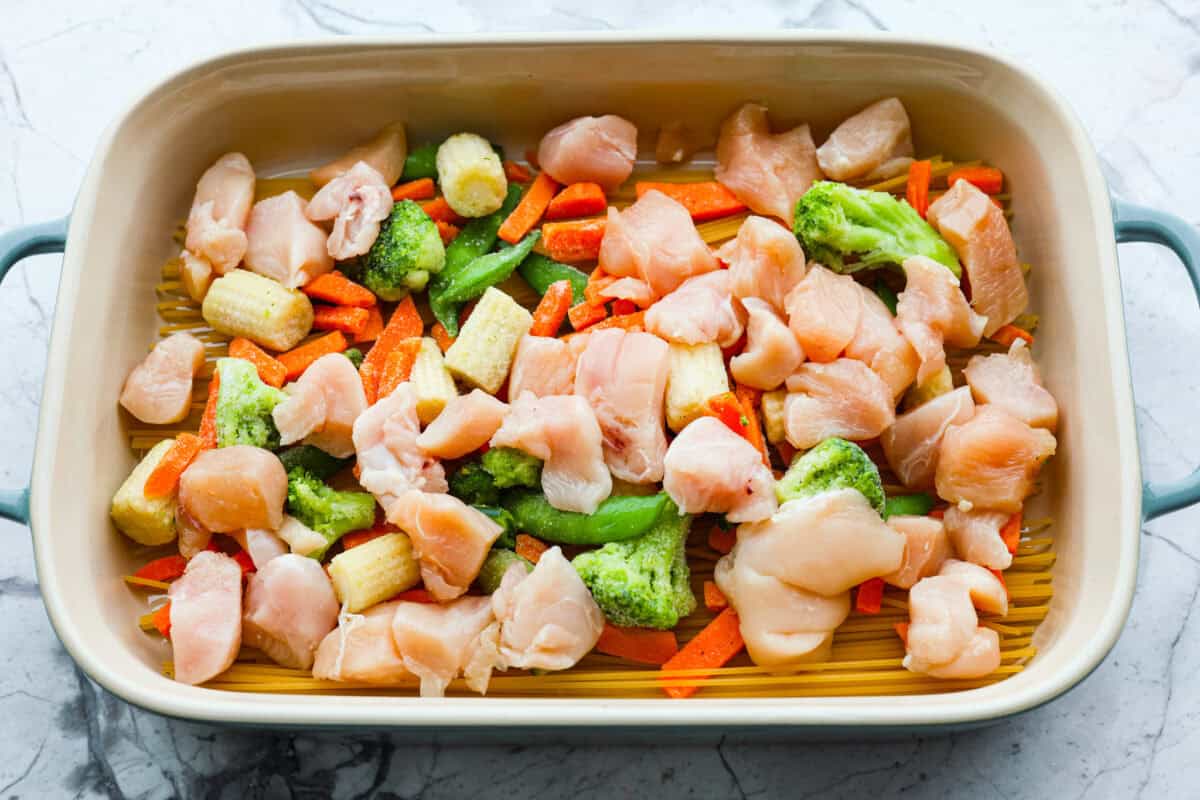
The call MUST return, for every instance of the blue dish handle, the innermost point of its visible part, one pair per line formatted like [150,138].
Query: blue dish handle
[1134,223]
[30,240]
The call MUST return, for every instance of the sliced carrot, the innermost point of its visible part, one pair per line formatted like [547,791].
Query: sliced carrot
[901,629]
[245,562]
[165,477]
[1007,334]
[577,200]
[869,597]
[334,287]
[711,649]
[405,323]
[355,538]
[420,189]
[529,548]
[446,231]
[714,598]
[585,315]
[622,307]
[728,409]
[704,200]
[165,569]
[552,309]
[937,513]
[350,320]
[575,241]
[517,173]
[374,326]
[529,210]
[415,596]
[441,336]
[1010,533]
[641,645]
[399,364]
[722,539]
[749,398]
[630,322]
[269,369]
[598,281]
[162,619]
[439,209]
[300,358]
[916,190]
[988,180]
[208,422]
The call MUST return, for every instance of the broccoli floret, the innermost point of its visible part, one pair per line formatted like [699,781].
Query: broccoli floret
[643,582]
[314,460]
[244,405]
[325,510]
[472,484]
[408,249]
[510,467]
[833,464]
[355,355]
[849,229]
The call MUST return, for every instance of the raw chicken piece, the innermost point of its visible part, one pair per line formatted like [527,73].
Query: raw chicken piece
[655,241]
[1012,382]
[283,244]
[768,172]
[548,619]
[322,406]
[216,225]
[710,468]
[361,649]
[976,537]
[765,261]
[977,230]
[981,656]
[932,313]
[772,352]
[232,488]
[385,154]
[206,617]
[357,201]
[879,344]
[196,274]
[913,443]
[389,460]
[991,460]
[676,143]
[261,545]
[926,547]
[843,398]
[987,592]
[866,141]
[632,289]
[562,431]
[824,311]
[290,609]
[701,310]
[465,425]
[193,537]
[438,640]
[596,149]
[943,621]
[450,539]
[300,538]
[159,390]
[623,377]
[545,366]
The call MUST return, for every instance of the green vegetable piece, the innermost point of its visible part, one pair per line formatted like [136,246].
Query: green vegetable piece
[421,163]
[355,355]
[849,229]
[510,467]
[494,567]
[325,510]
[887,295]
[616,519]
[485,271]
[540,271]
[645,581]
[911,505]
[244,405]
[508,535]
[472,484]
[313,460]
[833,464]
[408,250]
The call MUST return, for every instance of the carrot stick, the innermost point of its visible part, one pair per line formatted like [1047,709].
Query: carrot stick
[355,538]
[1010,533]
[711,648]
[728,409]
[405,323]
[208,422]
[1007,334]
[269,369]
[574,241]
[441,336]
[704,200]
[299,358]
[516,173]
[420,189]
[937,513]
[749,398]
[869,597]
[637,644]
[714,598]
[439,209]
[529,548]
[165,477]
[630,322]
[622,307]
[577,200]
[916,190]
[244,561]
[415,596]
[586,315]
[349,320]
[162,619]
[989,180]
[722,540]
[373,328]
[901,629]
[165,569]
[529,210]
[598,281]
[398,366]
[552,309]
[446,231]
[334,287]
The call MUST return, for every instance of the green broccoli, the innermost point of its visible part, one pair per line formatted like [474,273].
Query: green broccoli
[355,355]
[314,460]
[508,525]
[474,485]
[408,249]
[325,510]
[494,567]
[244,405]
[849,229]
[833,464]
[643,582]
[510,467]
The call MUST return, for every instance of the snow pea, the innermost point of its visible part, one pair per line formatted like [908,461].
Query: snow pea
[616,519]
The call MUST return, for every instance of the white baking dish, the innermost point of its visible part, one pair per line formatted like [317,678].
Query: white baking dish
[292,105]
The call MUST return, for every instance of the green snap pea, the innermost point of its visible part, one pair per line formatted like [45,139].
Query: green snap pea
[494,567]
[616,519]
[912,505]
[539,272]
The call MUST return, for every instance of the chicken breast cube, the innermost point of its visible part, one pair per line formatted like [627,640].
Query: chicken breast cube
[389,460]
[844,399]
[867,141]
[709,468]
[654,240]
[206,617]
[879,344]
[438,640]
[283,244]
[450,539]
[322,406]
[217,221]
[465,424]
[772,352]
[980,657]
[357,201]
[701,310]
[1012,382]
[361,649]
[385,153]
[990,461]
[232,488]
[987,592]
[926,548]
[913,443]
[290,609]
[765,261]
[943,621]
[261,545]
[976,537]
[159,390]
[590,149]
[768,172]
[544,365]
[824,311]
[932,312]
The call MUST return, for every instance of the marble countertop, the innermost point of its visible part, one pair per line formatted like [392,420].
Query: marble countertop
[1130,69]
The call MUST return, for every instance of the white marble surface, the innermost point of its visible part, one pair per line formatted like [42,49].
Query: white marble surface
[1130,68]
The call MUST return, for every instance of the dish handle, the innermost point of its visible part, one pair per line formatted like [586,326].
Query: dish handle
[1134,223]
[19,243]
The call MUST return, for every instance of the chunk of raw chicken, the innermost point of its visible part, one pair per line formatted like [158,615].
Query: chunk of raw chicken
[361,649]
[701,310]
[284,244]
[449,538]
[987,592]
[159,390]
[196,274]
[767,172]
[232,488]
[980,657]
[216,225]
[466,423]
[389,460]
[548,619]
[193,537]
[926,548]
[843,398]
[867,141]
[261,545]
[437,641]
[976,228]
[357,201]
[544,365]
[991,460]
[590,149]
[765,261]
[322,405]
[1012,382]
[385,153]
[943,621]
[206,617]
[879,344]
[634,290]
[654,241]
[913,443]
[772,352]
[623,377]
[824,311]
[562,431]
[290,609]
[932,312]
[709,468]
[976,537]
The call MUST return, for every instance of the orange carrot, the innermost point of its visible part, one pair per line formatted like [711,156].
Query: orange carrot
[416,596]
[1010,533]
[374,326]
[1007,334]
[165,569]
[529,548]
[704,200]
[299,358]
[165,477]
[722,540]
[574,241]
[208,422]
[269,369]
[989,180]
[869,597]
[446,231]
[630,322]
[711,648]
[937,513]
[405,323]
[334,287]
[714,598]
[552,309]
[598,281]
[516,173]
[901,629]
[162,619]
[420,189]
[577,200]
[622,307]
[441,336]
[439,209]
[728,409]
[529,210]
[399,364]
[585,315]
[637,644]
[244,561]
[749,397]
[349,320]
[916,191]
[1000,577]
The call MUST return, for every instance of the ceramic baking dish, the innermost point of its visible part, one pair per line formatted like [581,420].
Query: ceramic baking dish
[294,105]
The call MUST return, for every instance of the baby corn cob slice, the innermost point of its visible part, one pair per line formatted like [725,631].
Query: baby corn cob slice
[246,304]
[694,374]
[772,411]
[484,349]
[432,381]
[471,175]
[146,520]
[372,572]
